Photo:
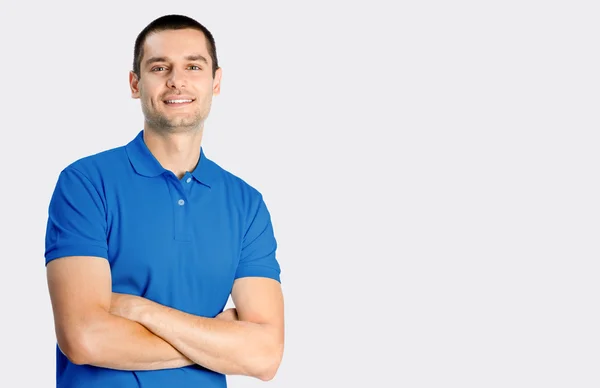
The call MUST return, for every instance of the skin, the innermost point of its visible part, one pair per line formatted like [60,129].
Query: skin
[173,133]
[95,326]
[245,341]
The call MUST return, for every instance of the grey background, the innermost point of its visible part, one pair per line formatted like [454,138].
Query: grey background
[431,168]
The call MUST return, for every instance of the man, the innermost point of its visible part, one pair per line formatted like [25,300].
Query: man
[146,242]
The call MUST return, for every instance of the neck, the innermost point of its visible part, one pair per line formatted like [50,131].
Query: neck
[176,152]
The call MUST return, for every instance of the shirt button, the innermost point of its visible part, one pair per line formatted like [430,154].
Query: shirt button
[181,202]
[189,180]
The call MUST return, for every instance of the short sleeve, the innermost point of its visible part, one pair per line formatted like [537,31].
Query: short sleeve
[258,255]
[76,219]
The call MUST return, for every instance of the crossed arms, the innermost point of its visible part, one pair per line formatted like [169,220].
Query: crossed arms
[97,327]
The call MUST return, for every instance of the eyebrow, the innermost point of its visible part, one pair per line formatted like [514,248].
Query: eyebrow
[194,57]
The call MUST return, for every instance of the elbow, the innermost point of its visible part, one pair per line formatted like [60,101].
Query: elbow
[268,368]
[267,375]
[75,347]
[80,342]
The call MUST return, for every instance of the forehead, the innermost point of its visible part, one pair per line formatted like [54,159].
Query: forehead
[175,44]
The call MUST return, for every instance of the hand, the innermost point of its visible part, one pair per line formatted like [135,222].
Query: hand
[228,315]
[124,305]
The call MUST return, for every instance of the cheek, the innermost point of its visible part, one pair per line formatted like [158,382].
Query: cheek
[149,95]
[153,101]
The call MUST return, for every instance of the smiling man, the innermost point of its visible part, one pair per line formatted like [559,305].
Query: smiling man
[146,242]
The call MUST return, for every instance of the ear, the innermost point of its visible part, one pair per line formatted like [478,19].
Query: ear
[133,85]
[217,82]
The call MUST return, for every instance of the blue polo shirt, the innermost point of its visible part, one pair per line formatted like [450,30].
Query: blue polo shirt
[179,242]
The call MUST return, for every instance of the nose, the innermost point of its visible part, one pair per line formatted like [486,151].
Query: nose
[176,79]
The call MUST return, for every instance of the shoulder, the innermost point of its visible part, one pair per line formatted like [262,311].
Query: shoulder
[234,184]
[92,174]
[97,166]
[239,193]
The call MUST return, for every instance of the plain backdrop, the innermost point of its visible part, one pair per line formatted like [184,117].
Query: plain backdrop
[431,168]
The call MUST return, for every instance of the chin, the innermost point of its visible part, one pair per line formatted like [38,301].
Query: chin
[170,124]
[183,126]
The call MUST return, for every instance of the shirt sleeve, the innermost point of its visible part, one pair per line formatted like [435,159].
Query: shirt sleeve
[258,258]
[77,223]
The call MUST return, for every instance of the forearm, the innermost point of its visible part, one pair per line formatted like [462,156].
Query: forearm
[118,343]
[224,346]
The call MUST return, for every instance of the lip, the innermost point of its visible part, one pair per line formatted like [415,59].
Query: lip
[178,97]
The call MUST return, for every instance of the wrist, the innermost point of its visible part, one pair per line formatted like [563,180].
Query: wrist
[140,310]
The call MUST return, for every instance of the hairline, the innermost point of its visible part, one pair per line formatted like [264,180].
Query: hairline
[162,29]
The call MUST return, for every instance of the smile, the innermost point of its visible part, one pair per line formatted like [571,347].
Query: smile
[174,102]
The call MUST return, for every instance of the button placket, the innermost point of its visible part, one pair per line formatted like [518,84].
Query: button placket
[180,209]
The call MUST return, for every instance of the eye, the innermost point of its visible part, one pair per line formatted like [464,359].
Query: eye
[157,68]
[194,67]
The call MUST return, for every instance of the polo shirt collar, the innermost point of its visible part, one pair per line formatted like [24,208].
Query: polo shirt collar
[145,164]
[205,171]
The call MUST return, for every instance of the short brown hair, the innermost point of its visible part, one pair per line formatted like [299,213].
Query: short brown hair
[172,22]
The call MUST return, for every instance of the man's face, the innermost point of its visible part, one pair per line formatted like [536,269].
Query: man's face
[176,84]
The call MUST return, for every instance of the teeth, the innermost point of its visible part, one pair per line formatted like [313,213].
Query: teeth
[177,101]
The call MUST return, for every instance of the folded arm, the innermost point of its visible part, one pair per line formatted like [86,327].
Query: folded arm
[252,345]
[87,333]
